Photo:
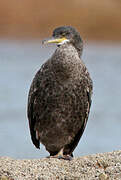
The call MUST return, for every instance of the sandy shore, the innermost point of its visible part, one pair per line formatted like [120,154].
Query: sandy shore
[105,166]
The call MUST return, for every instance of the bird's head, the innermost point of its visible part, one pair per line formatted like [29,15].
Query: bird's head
[66,34]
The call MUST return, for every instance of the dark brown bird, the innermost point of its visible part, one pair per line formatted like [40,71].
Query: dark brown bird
[60,96]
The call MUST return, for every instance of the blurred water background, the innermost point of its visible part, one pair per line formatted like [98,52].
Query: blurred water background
[21,55]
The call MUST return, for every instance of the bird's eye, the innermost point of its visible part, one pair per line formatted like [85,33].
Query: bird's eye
[63,34]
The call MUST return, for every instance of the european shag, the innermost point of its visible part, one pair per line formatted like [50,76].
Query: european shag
[60,96]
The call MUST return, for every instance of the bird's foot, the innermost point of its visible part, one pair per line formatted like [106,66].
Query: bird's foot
[60,155]
[65,157]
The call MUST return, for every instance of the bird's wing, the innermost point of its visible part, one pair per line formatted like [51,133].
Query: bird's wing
[70,147]
[31,117]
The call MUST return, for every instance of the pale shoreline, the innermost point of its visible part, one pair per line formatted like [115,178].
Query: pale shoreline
[104,166]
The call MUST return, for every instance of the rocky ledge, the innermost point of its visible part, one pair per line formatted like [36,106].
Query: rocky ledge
[105,166]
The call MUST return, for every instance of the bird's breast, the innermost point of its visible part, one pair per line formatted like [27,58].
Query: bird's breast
[66,64]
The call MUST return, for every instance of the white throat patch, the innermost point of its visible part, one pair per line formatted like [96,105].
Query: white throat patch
[63,42]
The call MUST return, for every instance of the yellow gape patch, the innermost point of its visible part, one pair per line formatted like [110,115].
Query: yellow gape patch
[56,40]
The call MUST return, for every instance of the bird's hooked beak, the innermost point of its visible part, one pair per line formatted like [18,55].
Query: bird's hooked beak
[58,41]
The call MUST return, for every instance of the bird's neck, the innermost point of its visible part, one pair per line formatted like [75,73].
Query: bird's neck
[78,46]
[65,61]
[79,49]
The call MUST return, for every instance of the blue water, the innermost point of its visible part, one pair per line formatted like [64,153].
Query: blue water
[19,61]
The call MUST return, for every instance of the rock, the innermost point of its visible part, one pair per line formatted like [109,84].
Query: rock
[5,178]
[105,166]
[103,176]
